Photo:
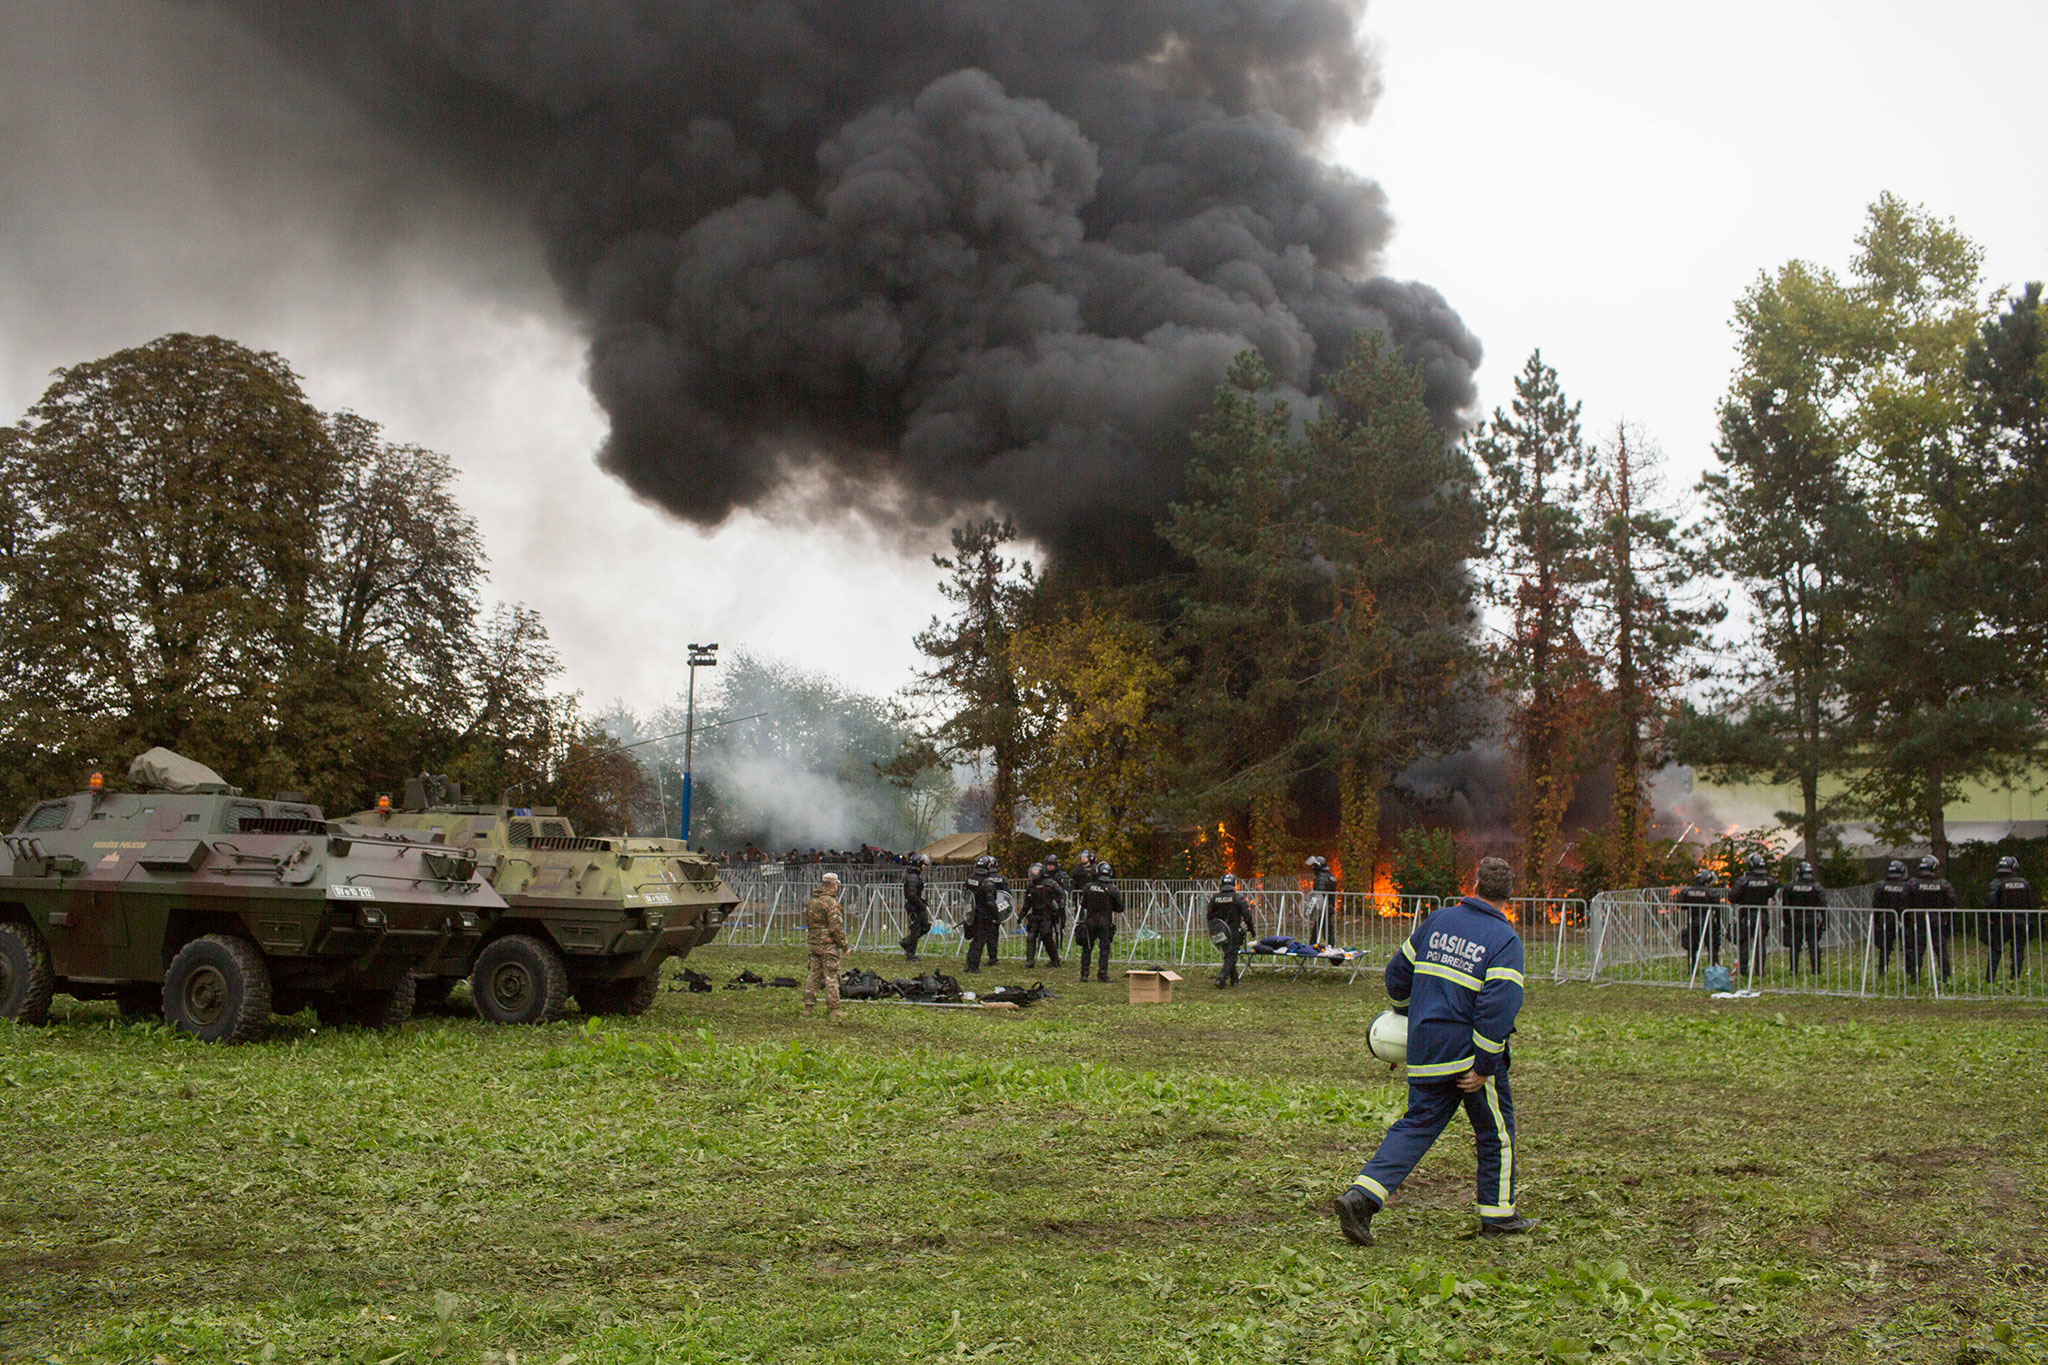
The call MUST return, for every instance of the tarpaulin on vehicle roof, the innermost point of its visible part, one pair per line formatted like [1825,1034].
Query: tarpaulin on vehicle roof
[161,770]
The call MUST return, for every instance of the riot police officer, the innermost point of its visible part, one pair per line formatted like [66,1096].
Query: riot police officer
[917,915]
[1322,905]
[1703,900]
[1928,890]
[1805,902]
[1751,896]
[2008,895]
[1101,903]
[1230,924]
[987,892]
[1084,872]
[1045,914]
[1887,906]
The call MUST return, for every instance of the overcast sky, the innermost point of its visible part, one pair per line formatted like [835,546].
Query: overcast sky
[1601,180]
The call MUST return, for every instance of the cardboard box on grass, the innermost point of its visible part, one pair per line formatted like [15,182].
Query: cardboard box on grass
[1151,987]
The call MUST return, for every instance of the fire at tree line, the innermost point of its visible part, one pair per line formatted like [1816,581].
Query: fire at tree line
[1315,647]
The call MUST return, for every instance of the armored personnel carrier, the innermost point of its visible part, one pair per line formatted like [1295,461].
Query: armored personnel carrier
[185,898]
[588,918]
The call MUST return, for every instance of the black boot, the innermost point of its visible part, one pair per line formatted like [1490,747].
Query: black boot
[1354,1215]
[1513,1227]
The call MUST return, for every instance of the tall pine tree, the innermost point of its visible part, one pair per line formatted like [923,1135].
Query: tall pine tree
[1536,466]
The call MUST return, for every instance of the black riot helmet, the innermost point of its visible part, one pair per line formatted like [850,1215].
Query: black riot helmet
[1052,862]
[1928,866]
[2008,865]
[1704,877]
[1317,861]
[1895,868]
[1756,862]
[1037,871]
[1228,881]
[985,863]
[1086,858]
[1104,872]
[1806,870]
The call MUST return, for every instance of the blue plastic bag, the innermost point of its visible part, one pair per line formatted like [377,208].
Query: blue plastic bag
[1719,980]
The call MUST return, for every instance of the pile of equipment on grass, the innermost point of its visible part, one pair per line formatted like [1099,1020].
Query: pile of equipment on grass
[932,988]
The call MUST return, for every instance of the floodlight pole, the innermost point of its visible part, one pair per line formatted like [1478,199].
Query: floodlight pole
[701,656]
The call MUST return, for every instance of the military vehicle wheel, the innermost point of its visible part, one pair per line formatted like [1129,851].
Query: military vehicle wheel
[218,990]
[519,980]
[138,1000]
[635,995]
[432,992]
[27,981]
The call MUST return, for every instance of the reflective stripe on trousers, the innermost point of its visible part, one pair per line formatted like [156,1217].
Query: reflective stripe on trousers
[1430,1107]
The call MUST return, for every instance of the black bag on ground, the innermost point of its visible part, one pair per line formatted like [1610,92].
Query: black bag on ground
[1018,995]
[744,980]
[861,984]
[787,982]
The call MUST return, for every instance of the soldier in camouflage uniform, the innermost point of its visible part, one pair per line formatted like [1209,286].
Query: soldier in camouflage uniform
[825,929]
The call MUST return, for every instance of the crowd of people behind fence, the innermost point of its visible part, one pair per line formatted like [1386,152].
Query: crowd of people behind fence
[867,855]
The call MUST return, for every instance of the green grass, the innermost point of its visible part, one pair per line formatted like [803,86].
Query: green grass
[1795,1180]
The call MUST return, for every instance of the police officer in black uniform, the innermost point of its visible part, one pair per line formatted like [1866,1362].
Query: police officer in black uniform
[2008,895]
[1752,895]
[985,912]
[1703,900]
[1045,914]
[1101,903]
[1805,901]
[1928,890]
[1230,924]
[916,913]
[1323,893]
[1887,905]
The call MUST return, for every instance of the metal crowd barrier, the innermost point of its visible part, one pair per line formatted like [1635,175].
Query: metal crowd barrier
[1165,920]
[1846,948]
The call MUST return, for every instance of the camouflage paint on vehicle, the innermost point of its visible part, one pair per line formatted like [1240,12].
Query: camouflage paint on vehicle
[111,886]
[611,910]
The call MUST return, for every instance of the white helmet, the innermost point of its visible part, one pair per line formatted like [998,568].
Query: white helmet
[1389,1038]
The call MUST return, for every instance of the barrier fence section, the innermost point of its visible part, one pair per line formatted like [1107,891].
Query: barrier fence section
[1165,920]
[1845,948]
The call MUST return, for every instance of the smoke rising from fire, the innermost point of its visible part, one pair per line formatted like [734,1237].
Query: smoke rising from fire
[946,253]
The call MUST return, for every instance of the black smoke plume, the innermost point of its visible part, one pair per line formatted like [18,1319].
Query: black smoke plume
[964,251]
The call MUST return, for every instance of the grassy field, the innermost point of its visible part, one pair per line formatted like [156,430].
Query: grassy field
[1797,1180]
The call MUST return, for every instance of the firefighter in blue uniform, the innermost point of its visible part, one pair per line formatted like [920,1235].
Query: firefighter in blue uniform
[1458,977]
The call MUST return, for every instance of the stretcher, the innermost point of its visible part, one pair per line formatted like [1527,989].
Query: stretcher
[1280,949]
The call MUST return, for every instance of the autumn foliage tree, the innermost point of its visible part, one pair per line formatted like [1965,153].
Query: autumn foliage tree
[1095,682]
[193,555]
